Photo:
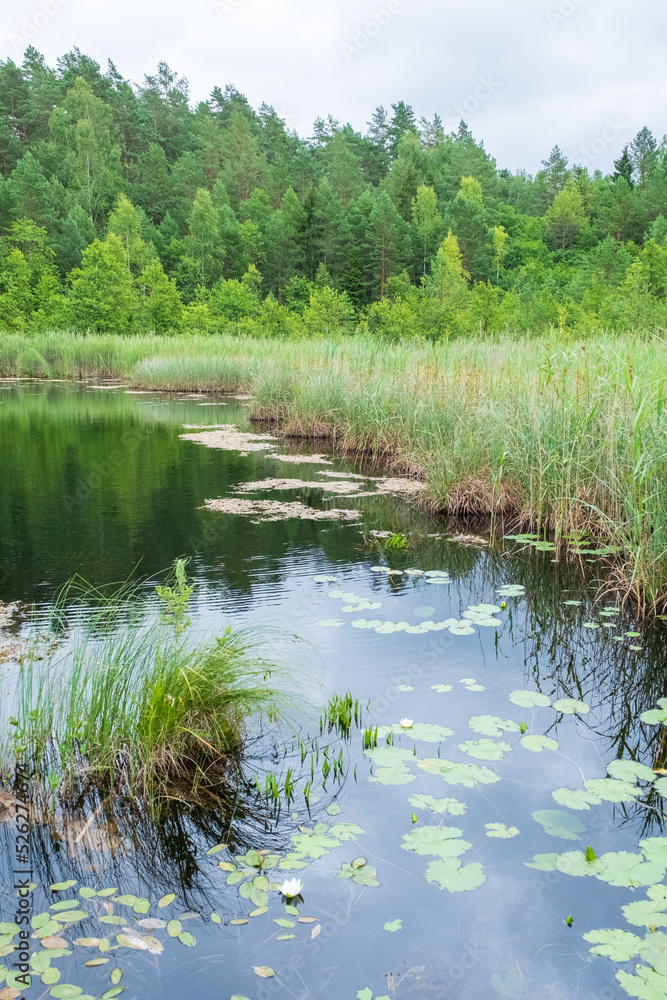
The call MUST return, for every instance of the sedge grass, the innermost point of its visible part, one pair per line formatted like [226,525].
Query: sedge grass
[141,708]
[567,437]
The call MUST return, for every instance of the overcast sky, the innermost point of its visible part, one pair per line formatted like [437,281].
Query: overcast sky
[525,74]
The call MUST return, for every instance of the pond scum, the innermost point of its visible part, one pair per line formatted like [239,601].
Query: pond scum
[565,438]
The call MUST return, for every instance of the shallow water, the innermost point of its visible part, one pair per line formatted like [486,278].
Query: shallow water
[97,482]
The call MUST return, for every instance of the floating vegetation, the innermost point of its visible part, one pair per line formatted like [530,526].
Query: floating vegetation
[511,590]
[274,510]
[570,706]
[305,460]
[501,831]
[438,806]
[227,437]
[559,824]
[471,684]
[344,487]
[468,775]
[538,743]
[530,699]
[656,716]
[360,872]
[492,725]
[485,749]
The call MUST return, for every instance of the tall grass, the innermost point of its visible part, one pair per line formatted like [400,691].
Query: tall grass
[141,708]
[136,706]
[563,436]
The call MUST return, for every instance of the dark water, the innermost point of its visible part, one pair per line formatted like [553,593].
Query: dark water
[96,482]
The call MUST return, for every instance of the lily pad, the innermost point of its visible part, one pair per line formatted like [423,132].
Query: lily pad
[468,775]
[575,863]
[442,841]
[648,912]
[575,798]
[455,877]
[570,706]
[397,775]
[485,749]
[530,699]
[655,849]
[492,725]
[538,743]
[559,824]
[621,946]
[438,806]
[265,971]
[630,770]
[612,790]
[622,868]
[425,732]
[501,831]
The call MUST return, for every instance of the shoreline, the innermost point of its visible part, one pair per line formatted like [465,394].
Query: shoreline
[563,439]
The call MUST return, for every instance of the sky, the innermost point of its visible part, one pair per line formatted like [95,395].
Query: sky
[524,74]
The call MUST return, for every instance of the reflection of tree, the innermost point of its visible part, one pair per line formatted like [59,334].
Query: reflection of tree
[103,838]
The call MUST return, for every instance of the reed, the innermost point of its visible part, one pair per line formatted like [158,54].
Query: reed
[141,707]
[566,437]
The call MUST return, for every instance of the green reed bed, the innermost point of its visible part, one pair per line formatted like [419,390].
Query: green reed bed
[564,436]
[144,707]
[140,708]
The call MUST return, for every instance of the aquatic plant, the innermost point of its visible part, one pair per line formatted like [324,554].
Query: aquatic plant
[143,706]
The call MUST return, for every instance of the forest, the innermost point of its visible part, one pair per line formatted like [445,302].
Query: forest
[126,209]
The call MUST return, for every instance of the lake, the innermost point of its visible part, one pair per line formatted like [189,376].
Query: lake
[496,815]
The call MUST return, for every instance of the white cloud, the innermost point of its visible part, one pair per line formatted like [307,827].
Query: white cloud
[562,69]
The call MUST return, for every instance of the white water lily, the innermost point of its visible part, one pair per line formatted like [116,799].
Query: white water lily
[291,887]
[406,723]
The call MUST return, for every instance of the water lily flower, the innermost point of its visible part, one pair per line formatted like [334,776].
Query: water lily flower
[291,887]
[406,723]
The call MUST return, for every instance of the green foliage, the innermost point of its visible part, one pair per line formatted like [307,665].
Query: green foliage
[141,706]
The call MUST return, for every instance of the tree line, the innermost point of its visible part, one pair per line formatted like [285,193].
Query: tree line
[125,208]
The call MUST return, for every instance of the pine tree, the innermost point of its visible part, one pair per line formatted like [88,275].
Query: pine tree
[386,238]
[284,234]
[624,168]
[33,195]
[69,244]
[330,228]
[432,132]
[555,171]
[244,163]
[643,152]
[402,123]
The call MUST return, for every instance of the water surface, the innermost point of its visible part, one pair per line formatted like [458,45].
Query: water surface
[97,482]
